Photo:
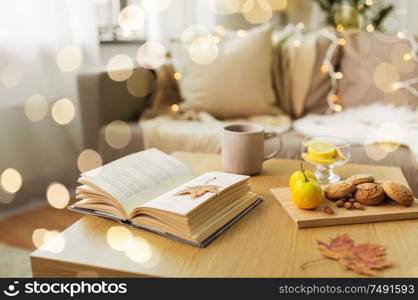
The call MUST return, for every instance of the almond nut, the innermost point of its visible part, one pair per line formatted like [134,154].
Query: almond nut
[348,205]
[358,206]
[340,203]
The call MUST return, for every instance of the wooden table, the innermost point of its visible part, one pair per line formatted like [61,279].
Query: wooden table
[264,243]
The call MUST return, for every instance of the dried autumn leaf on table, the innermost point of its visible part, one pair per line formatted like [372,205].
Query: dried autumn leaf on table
[198,190]
[362,258]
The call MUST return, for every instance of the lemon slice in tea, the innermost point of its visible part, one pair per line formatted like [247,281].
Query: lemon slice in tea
[317,160]
[321,149]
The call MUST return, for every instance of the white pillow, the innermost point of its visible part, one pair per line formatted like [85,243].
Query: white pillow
[237,83]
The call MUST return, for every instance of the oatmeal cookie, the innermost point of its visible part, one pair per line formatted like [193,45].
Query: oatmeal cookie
[369,194]
[339,190]
[398,193]
[361,178]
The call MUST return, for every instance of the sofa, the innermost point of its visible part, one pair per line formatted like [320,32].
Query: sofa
[103,100]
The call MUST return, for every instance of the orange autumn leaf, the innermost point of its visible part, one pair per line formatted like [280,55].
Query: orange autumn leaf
[198,190]
[363,258]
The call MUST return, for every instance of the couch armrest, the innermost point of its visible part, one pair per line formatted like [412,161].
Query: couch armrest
[103,100]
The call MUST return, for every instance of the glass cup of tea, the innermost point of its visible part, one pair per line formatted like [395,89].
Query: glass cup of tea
[326,153]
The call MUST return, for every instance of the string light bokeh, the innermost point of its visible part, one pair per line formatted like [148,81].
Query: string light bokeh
[69,58]
[88,160]
[58,195]
[136,248]
[11,180]
[118,134]
[48,240]
[63,111]
[11,75]
[120,67]
[36,108]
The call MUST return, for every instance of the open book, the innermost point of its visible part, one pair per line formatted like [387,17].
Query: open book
[155,191]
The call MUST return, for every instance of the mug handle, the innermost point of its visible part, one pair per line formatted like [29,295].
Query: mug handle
[270,135]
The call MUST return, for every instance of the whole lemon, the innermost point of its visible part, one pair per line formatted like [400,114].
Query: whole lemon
[307,194]
[298,175]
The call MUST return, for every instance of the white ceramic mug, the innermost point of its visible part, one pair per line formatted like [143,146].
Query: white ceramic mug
[243,148]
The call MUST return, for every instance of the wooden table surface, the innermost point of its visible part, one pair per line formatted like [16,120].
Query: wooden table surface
[265,243]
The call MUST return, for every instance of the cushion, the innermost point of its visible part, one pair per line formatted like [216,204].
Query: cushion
[316,99]
[301,87]
[237,83]
[371,63]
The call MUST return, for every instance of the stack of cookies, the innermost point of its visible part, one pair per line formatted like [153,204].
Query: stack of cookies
[362,189]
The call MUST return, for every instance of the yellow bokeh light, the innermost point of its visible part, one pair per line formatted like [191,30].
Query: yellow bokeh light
[334,98]
[69,58]
[401,57]
[192,33]
[300,25]
[89,160]
[247,6]
[131,18]
[155,5]
[174,107]
[139,251]
[177,75]
[220,29]
[141,83]
[400,35]
[277,4]
[11,180]
[369,2]
[57,195]
[119,238]
[151,55]
[54,241]
[257,12]
[384,76]
[296,43]
[118,134]
[232,6]
[406,57]
[338,108]
[370,27]
[324,69]
[36,108]
[339,28]
[202,51]
[241,32]
[120,67]
[342,42]
[374,151]
[63,111]
[223,7]
[339,75]
[38,237]
[11,75]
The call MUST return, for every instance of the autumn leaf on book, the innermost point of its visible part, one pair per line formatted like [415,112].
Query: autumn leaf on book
[363,258]
[198,190]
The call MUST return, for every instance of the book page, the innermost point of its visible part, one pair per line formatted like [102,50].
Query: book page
[137,178]
[184,204]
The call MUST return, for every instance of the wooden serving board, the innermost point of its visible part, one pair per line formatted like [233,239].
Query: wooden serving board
[387,211]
